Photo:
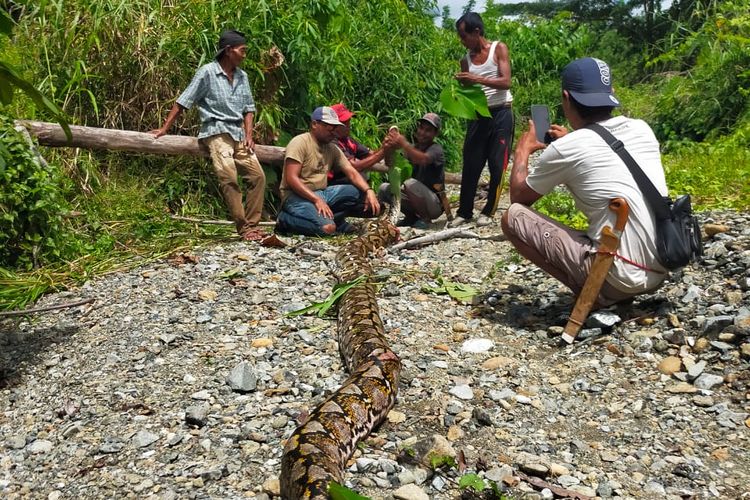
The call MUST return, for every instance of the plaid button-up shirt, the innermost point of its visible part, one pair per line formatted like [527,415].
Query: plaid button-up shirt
[222,104]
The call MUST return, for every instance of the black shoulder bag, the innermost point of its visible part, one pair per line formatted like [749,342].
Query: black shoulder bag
[678,236]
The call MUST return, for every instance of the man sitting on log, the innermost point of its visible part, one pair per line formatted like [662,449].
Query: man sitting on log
[308,204]
[421,194]
[221,91]
[595,175]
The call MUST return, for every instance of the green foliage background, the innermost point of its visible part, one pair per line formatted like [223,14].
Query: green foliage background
[121,64]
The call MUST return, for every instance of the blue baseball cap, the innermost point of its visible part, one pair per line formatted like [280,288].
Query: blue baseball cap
[589,82]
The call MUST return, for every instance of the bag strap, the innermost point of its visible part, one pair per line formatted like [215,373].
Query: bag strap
[656,200]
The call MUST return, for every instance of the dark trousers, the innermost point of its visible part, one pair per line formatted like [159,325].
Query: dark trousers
[488,140]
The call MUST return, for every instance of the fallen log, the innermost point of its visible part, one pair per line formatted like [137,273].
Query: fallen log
[51,134]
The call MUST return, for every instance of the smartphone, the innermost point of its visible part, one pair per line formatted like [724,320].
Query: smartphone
[540,117]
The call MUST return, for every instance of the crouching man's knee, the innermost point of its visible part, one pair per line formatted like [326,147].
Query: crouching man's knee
[328,228]
[506,222]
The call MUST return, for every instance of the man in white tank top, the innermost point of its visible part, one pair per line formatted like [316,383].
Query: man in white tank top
[488,139]
[594,174]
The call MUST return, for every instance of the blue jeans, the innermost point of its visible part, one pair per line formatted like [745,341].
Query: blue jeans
[300,216]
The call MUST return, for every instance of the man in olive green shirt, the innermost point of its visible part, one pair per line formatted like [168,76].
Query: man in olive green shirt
[308,205]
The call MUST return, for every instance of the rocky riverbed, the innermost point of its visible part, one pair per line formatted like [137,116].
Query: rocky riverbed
[185,376]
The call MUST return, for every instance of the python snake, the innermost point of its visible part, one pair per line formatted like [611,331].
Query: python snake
[317,452]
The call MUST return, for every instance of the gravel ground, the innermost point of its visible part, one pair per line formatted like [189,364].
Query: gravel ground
[184,377]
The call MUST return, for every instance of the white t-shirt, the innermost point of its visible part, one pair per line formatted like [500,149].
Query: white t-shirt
[594,174]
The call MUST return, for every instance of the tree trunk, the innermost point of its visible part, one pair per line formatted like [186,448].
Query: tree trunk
[51,134]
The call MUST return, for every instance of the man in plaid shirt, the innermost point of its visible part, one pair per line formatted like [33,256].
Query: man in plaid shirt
[221,91]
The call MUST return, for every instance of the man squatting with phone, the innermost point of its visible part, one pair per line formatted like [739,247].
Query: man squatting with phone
[594,174]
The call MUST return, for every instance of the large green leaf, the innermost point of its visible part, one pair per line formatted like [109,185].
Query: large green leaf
[464,101]
[6,23]
[459,291]
[472,481]
[394,179]
[10,78]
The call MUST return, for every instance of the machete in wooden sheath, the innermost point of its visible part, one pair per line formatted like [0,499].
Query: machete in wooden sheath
[605,254]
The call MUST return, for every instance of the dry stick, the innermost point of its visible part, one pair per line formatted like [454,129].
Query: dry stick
[314,253]
[557,490]
[456,232]
[47,308]
[214,222]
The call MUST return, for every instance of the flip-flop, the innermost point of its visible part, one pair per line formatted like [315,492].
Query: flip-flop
[254,235]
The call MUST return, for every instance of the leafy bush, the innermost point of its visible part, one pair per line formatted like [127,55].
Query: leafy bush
[539,49]
[31,203]
[708,91]
[716,175]
[561,206]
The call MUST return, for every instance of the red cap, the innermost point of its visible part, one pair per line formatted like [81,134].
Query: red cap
[342,112]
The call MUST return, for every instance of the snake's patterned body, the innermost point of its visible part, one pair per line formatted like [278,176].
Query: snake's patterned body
[317,452]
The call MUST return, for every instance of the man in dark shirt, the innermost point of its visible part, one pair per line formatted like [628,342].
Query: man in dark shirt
[420,202]
[359,155]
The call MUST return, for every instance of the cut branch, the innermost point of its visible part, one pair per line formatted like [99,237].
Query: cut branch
[456,232]
[213,222]
[45,309]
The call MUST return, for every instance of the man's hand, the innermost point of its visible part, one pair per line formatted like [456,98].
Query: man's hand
[389,143]
[557,131]
[528,142]
[398,140]
[249,143]
[466,78]
[371,202]
[323,208]
[158,132]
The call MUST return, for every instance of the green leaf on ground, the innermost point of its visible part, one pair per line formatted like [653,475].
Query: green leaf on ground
[338,492]
[437,461]
[459,291]
[472,481]
[321,308]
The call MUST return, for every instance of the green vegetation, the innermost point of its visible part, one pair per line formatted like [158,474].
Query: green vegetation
[121,64]
[322,308]
[10,80]
[31,202]
[473,482]
[338,492]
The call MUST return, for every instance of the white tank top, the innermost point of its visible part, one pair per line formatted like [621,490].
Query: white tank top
[495,97]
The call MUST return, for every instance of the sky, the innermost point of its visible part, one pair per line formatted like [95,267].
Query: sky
[457,6]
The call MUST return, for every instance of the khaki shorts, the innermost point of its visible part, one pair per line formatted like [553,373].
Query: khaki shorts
[566,249]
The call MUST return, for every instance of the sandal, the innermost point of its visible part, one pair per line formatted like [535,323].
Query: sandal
[254,235]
